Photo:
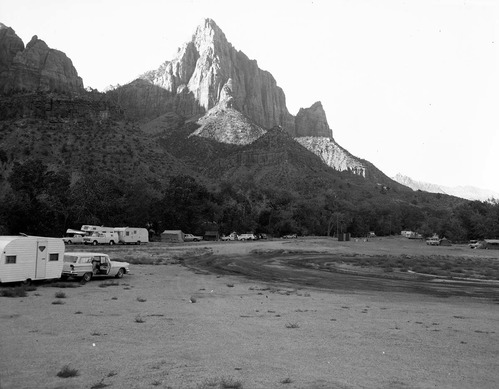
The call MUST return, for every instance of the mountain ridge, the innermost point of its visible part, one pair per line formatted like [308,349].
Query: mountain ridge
[468,192]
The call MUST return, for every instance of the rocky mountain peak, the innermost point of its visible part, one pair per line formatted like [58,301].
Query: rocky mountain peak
[36,67]
[209,35]
[312,122]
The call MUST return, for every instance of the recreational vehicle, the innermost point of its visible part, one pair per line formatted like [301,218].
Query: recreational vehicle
[29,258]
[131,235]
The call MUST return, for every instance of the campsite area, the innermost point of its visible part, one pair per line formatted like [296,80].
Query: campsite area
[298,313]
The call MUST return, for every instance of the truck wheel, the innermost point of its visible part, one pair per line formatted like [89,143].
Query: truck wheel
[94,243]
[120,273]
[68,242]
[111,242]
[87,277]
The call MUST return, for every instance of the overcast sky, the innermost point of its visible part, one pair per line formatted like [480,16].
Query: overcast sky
[411,86]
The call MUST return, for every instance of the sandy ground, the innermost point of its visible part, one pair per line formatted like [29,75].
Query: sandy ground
[171,326]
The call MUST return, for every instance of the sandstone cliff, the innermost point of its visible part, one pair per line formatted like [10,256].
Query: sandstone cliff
[204,66]
[35,67]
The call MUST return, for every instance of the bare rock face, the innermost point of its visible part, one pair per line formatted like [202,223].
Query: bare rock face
[333,154]
[201,69]
[312,122]
[10,45]
[225,124]
[36,67]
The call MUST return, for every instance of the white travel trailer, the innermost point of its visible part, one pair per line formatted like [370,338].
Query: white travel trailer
[131,235]
[29,258]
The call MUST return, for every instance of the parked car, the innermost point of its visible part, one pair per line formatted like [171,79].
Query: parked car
[246,237]
[88,265]
[433,242]
[232,236]
[290,236]
[73,239]
[192,238]
[475,244]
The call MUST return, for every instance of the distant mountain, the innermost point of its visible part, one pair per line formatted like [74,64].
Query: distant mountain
[232,100]
[464,192]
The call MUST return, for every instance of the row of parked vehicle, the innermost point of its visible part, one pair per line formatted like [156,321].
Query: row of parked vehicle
[250,236]
[30,258]
[95,235]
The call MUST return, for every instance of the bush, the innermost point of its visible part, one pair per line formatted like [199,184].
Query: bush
[16,291]
[67,372]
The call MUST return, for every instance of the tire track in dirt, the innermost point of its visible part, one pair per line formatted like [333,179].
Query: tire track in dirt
[297,271]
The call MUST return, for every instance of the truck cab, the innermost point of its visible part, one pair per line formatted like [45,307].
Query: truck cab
[102,237]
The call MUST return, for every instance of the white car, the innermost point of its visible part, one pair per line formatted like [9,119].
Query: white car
[433,242]
[88,265]
[192,238]
[73,239]
[246,237]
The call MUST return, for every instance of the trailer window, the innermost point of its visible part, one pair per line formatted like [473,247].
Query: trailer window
[54,257]
[10,259]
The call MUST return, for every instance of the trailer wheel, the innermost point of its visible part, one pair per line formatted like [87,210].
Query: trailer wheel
[138,242]
[26,282]
[64,277]
[111,242]
[69,242]
[94,243]
[87,277]
[120,273]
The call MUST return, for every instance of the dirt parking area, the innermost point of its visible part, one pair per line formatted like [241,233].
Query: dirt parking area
[234,315]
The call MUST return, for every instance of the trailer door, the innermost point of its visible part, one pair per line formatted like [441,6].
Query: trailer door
[41,258]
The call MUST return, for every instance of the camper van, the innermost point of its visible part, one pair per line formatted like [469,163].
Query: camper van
[30,258]
[131,235]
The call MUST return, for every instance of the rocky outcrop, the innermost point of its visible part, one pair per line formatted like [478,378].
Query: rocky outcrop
[36,68]
[312,122]
[333,154]
[225,124]
[10,45]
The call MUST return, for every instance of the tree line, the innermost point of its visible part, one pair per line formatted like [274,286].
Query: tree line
[44,202]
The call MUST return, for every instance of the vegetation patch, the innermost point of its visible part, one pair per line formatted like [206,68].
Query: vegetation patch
[220,383]
[107,284]
[67,372]
[16,291]
[64,284]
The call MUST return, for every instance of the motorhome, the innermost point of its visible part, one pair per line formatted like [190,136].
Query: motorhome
[30,258]
[132,235]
